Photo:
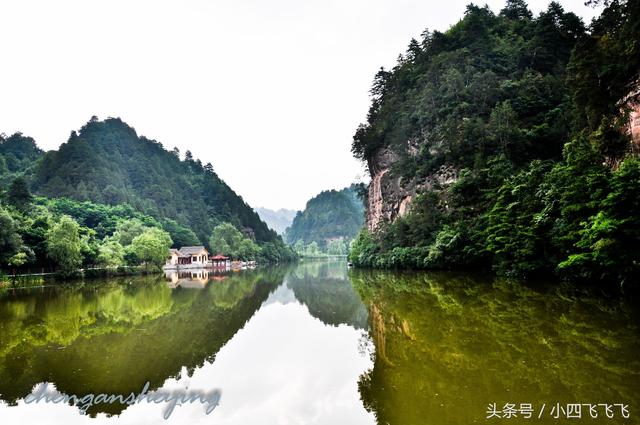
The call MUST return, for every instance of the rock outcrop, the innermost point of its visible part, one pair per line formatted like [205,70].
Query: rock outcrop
[633,103]
[390,196]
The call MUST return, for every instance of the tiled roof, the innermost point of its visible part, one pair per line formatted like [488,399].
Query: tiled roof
[189,250]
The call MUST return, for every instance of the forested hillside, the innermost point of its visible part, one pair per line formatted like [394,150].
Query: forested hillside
[504,143]
[18,154]
[330,216]
[109,197]
[107,162]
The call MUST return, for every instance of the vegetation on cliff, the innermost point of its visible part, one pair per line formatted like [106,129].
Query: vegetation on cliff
[529,111]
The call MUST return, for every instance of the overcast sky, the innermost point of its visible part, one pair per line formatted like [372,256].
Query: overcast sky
[269,92]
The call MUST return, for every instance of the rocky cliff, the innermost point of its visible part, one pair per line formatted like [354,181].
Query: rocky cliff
[390,195]
[633,103]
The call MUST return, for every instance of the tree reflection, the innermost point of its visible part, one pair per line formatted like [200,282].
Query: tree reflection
[325,288]
[115,335]
[447,345]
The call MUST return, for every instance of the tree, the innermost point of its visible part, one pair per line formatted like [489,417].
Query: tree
[336,247]
[180,235]
[299,246]
[10,240]
[63,245]
[516,9]
[228,240]
[111,253]
[248,250]
[152,247]
[313,248]
[18,194]
[18,260]
[127,230]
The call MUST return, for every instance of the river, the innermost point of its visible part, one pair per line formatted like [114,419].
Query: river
[317,343]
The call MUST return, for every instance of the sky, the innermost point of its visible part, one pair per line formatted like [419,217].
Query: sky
[269,92]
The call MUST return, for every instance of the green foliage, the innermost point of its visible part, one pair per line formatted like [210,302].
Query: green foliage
[18,194]
[276,252]
[107,174]
[127,230]
[10,240]
[313,248]
[74,234]
[111,253]
[337,247]
[608,240]
[63,245]
[547,179]
[330,215]
[107,162]
[151,247]
[229,241]
[18,154]
[489,85]
[363,249]
[514,233]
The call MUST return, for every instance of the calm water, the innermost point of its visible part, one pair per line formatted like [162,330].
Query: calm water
[319,344]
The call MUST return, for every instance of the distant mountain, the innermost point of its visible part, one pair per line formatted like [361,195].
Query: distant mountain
[277,220]
[330,215]
[108,162]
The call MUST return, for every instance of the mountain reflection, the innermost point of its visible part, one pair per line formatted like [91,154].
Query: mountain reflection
[113,336]
[447,345]
[325,288]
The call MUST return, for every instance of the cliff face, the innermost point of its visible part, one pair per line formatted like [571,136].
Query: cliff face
[390,196]
[633,103]
[634,124]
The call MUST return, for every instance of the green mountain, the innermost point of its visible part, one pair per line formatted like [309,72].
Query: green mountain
[277,220]
[105,189]
[328,216]
[107,162]
[504,143]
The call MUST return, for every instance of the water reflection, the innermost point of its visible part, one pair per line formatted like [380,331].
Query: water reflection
[447,345]
[247,334]
[196,278]
[115,335]
[324,287]
[317,344]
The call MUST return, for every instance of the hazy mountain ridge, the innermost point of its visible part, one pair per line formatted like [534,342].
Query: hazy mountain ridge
[277,220]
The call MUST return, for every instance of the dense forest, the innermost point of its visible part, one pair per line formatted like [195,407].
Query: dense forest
[18,154]
[509,136]
[107,162]
[328,223]
[70,208]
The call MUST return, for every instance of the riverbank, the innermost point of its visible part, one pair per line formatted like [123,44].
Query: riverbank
[34,280]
